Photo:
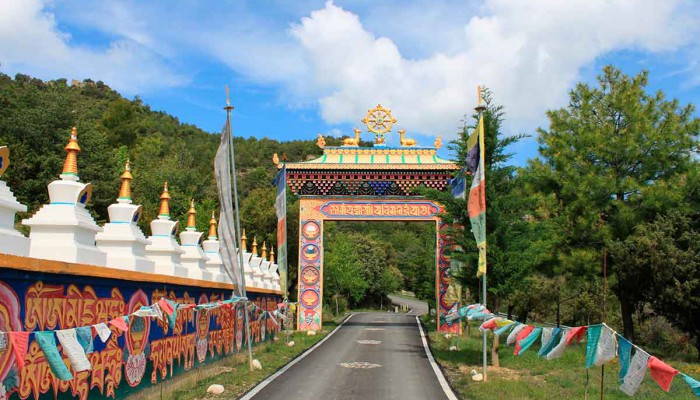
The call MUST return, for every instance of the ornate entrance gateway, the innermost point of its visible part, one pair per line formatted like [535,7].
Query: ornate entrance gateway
[365,183]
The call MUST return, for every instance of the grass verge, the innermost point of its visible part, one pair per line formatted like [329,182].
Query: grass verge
[530,377]
[234,374]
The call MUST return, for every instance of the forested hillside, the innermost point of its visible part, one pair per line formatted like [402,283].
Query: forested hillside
[35,122]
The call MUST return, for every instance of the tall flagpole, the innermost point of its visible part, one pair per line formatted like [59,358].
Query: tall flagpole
[480,127]
[228,109]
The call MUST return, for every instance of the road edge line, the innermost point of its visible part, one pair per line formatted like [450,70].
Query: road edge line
[260,386]
[436,368]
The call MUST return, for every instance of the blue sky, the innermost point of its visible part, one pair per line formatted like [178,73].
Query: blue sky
[297,69]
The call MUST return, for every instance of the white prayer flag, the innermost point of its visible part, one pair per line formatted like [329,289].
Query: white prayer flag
[559,349]
[635,373]
[73,349]
[546,335]
[103,331]
[607,346]
[514,334]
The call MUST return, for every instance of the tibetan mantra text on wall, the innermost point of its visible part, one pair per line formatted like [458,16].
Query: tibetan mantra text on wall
[148,353]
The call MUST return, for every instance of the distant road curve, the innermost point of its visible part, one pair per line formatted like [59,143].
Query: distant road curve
[417,307]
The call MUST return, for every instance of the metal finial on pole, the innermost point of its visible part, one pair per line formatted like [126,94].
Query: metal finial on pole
[479,106]
[228,107]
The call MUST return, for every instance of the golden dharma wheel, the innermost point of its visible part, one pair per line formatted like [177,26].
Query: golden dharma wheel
[379,120]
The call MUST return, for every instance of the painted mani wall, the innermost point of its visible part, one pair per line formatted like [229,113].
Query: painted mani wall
[49,295]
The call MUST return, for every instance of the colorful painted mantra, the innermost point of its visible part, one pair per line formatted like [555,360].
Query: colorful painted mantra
[369,210]
[148,353]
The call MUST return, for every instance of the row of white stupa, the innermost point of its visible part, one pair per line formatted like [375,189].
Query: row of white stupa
[64,230]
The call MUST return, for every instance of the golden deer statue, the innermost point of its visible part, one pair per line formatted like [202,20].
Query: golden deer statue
[351,141]
[405,141]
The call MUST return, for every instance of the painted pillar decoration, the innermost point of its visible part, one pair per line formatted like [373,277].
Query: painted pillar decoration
[64,230]
[310,273]
[164,249]
[11,241]
[211,248]
[442,283]
[193,257]
[122,239]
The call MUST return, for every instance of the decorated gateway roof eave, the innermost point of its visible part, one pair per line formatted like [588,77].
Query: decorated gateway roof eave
[363,158]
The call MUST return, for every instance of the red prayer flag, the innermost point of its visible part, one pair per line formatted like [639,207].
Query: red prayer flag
[165,306]
[576,333]
[20,343]
[661,372]
[522,335]
[490,324]
[120,323]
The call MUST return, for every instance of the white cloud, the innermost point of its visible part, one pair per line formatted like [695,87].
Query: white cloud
[31,43]
[422,61]
[529,53]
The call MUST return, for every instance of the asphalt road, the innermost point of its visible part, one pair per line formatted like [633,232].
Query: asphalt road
[396,365]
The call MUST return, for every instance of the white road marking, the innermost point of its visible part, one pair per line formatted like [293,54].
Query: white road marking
[272,377]
[369,341]
[438,373]
[359,365]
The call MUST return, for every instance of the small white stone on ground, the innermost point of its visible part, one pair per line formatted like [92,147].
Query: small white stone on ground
[215,389]
[472,372]
[453,348]
[290,343]
[477,377]
[311,333]
[256,364]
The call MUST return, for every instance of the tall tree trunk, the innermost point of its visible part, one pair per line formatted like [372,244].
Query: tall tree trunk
[627,310]
[523,316]
[511,308]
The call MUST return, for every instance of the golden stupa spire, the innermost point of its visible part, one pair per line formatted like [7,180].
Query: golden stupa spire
[70,166]
[164,203]
[212,227]
[191,222]
[125,189]
[263,255]
[244,240]
[255,246]
[272,254]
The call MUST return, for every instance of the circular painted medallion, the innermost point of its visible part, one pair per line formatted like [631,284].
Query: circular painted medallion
[310,252]
[310,298]
[309,275]
[311,230]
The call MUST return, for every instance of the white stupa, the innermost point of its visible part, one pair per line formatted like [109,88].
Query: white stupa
[64,230]
[193,257]
[273,271]
[214,263]
[265,269]
[248,272]
[11,241]
[254,264]
[164,249]
[121,238]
